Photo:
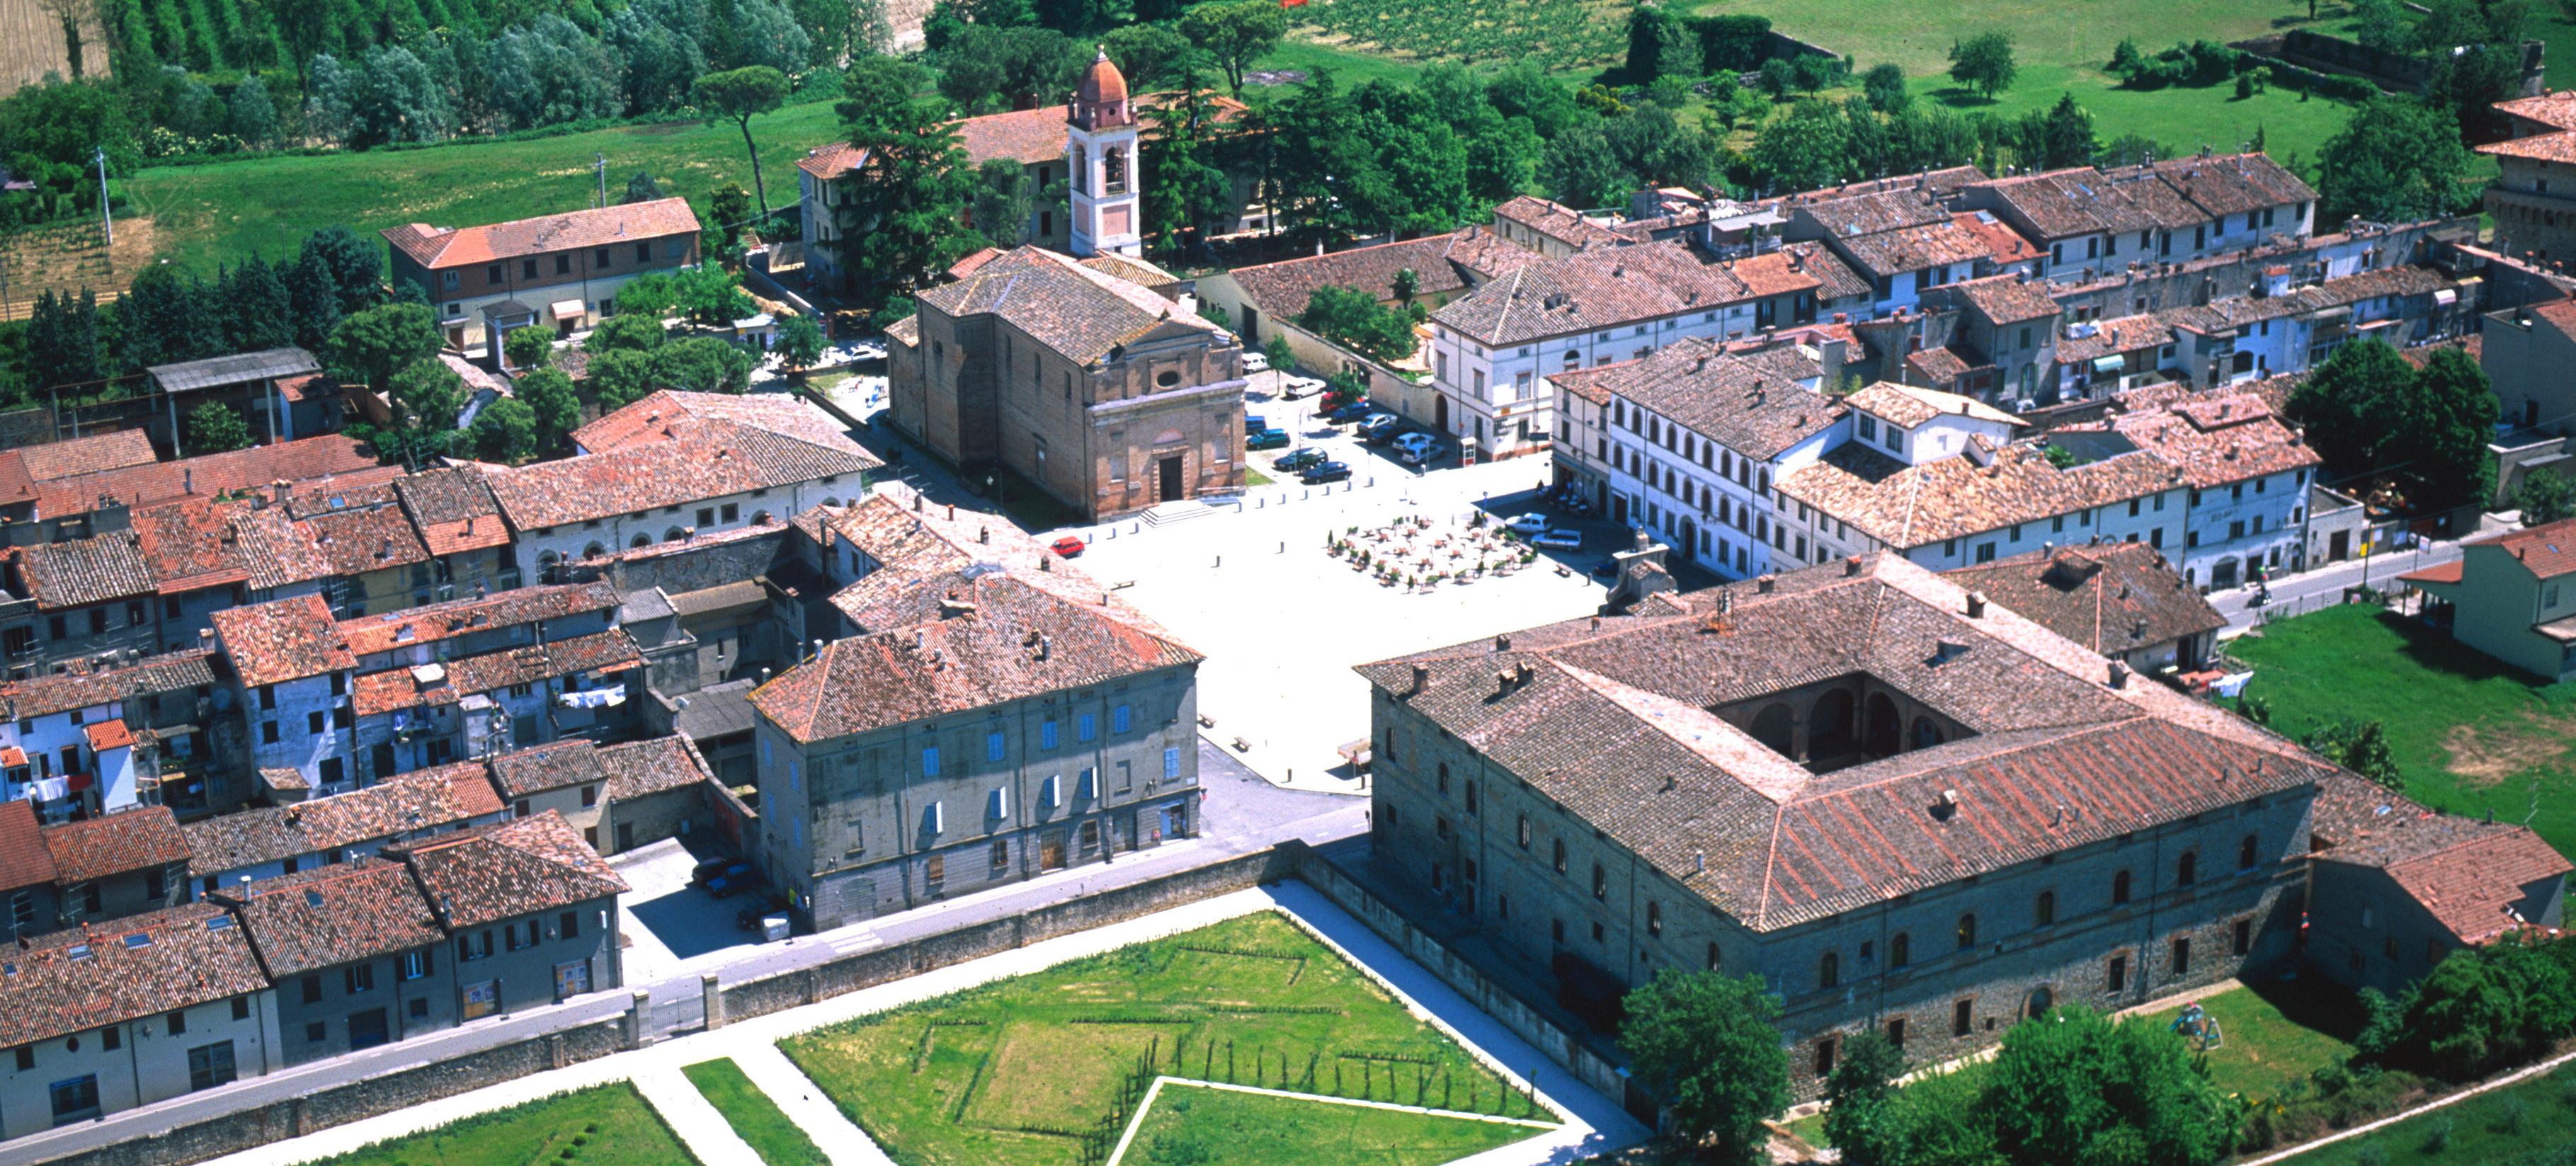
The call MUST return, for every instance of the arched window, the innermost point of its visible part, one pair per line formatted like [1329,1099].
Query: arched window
[2248,853]
[1712,955]
[2120,888]
[593,551]
[760,518]
[834,503]
[2186,868]
[1900,950]
[1113,165]
[673,535]
[2041,1000]
[2044,911]
[1967,931]
[1829,971]
[1573,360]
[642,540]
[547,559]
[1081,170]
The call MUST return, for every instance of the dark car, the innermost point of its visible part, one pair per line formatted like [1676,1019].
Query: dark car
[1351,411]
[1267,439]
[717,866]
[1299,460]
[1606,568]
[1255,423]
[1326,472]
[729,884]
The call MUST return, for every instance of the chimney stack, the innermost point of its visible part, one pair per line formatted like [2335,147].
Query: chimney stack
[2119,674]
[1851,565]
[1763,585]
[1976,605]
[1421,678]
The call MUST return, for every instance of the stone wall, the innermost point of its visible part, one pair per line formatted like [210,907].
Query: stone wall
[251,1128]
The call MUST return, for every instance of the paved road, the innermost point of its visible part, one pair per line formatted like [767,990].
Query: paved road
[2296,594]
[1244,814]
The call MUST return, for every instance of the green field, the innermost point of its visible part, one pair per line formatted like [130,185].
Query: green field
[2511,1126]
[2276,1035]
[225,211]
[1215,1127]
[2469,733]
[604,1125]
[1031,1071]
[759,1121]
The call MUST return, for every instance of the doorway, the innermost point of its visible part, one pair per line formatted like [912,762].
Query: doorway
[1167,477]
[2339,546]
[1051,850]
[1440,413]
[367,1029]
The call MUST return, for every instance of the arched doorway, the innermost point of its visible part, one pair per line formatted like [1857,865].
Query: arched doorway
[1829,725]
[1926,734]
[1886,727]
[1774,727]
[2039,1003]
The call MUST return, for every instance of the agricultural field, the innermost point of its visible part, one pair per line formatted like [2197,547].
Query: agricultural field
[31,45]
[67,257]
[605,1125]
[1198,1126]
[1036,1070]
[1563,33]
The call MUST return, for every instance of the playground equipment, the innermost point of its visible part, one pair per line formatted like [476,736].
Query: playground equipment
[2199,1027]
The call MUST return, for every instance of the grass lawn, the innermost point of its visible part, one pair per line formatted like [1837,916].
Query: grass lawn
[611,1125]
[1029,1071]
[2183,119]
[2275,1034]
[1216,1127]
[2500,1128]
[753,1115]
[2468,733]
[228,210]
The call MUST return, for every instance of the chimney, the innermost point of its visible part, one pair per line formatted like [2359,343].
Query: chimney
[1503,642]
[1851,565]
[1421,679]
[952,510]
[1502,681]
[2119,674]
[984,534]
[1596,623]
[916,503]
[1976,605]
[278,489]
[1765,584]
[1699,862]
[1046,562]
[187,479]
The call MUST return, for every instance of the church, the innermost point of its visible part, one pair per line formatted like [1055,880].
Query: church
[1053,143]
[1086,373]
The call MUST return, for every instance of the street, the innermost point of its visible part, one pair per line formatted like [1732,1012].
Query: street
[2306,592]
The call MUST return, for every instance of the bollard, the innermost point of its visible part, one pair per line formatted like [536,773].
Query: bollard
[638,1011]
[714,996]
[1283,546]
[1220,560]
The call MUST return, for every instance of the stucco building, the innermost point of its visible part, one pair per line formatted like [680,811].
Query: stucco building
[560,272]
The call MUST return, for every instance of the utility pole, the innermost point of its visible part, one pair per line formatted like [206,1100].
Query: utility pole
[105,217]
[602,167]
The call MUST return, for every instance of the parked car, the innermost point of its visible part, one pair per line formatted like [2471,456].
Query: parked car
[1267,439]
[1559,540]
[729,884]
[1326,472]
[1299,460]
[1422,452]
[1407,443]
[1352,411]
[716,866]
[1295,387]
[735,870]
[1605,569]
[1255,423]
[1253,361]
[1070,546]
[1528,525]
[1379,428]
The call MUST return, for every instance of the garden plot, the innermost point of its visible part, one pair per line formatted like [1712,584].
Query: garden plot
[1189,1123]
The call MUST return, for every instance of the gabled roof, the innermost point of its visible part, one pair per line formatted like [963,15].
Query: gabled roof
[285,639]
[1555,220]
[403,688]
[1863,214]
[1002,639]
[2217,441]
[2006,299]
[429,799]
[24,861]
[1887,253]
[333,915]
[83,571]
[94,848]
[1912,405]
[454,510]
[207,475]
[234,369]
[445,247]
[671,415]
[1755,403]
[2476,887]
[1080,313]
[1441,265]
[672,449]
[1612,718]
[1907,506]
[1591,290]
[196,543]
[118,970]
[507,870]
[355,542]
[2111,597]
[22,468]
[2554,108]
[629,770]
[387,631]
[1027,136]
[2547,551]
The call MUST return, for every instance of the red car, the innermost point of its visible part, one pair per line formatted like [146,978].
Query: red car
[1070,546]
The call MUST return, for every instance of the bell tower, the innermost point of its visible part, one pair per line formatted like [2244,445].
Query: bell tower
[1100,156]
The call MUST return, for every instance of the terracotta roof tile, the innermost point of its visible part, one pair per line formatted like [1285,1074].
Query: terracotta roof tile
[2547,551]
[173,672]
[671,449]
[2478,887]
[387,631]
[96,569]
[454,510]
[21,469]
[24,861]
[2004,243]
[2111,597]
[95,848]
[630,770]
[123,969]
[1911,506]
[2555,108]
[445,247]
[1026,136]
[195,543]
[287,639]
[356,542]
[1888,253]
[1441,265]
[1080,313]
[207,474]
[503,871]
[442,798]
[1863,214]
[1758,404]
[334,915]
[2005,299]
[1554,220]
[402,688]
[2218,441]
[1591,290]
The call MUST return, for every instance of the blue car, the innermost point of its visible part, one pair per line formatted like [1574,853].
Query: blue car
[1350,412]
[1267,439]
[1299,460]
[1326,472]
[1254,423]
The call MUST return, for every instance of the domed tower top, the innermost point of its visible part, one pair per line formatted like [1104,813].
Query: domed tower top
[1101,100]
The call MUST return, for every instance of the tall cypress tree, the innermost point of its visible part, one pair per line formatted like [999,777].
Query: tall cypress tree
[312,298]
[258,313]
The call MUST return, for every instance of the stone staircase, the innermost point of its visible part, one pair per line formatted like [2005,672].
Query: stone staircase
[1171,513]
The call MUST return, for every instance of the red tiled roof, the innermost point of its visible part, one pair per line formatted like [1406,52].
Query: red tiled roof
[2556,108]
[1079,313]
[2220,440]
[1591,290]
[454,510]
[24,861]
[108,734]
[21,469]
[118,970]
[94,848]
[2547,551]
[386,631]
[2111,597]
[442,247]
[671,449]
[85,571]
[2006,243]
[355,542]
[1026,136]
[400,688]
[334,915]
[406,803]
[2470,888]
[1441,265]
[287,639]
[2437,573]
[513,868]
[207,475]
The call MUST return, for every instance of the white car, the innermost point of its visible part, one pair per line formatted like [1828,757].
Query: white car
[1559,540]
[1292,388]
[1532,525]
[1255,362]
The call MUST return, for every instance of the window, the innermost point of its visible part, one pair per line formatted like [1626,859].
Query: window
[268,698]
[994,746]
[643,253]
[2120,889]
[2241,938]
[1560,856]
[1900,950]
[1471,797]
[1967,931]
[2115,974]
[316,1030]
[1713,956]
[26,1058]
[1118,719]
[111,1038]
[1556,930]
[2247,853]
[312,989]
[1046,733]
[1086,727]
[527,269]
[76,1099]
[241,1007]
[930,761]
[1829,971]
[1600,882]
[89,897]
[2186,868]
[1825,1057]
[210,1065]
[2182,955]
[567,925]
[2044,911]
[415,964]
[359,978]
[1962,1017]
[1896,1032]
[1001,855]
[1172,772]
[563,265]
[474,945]
[1521,833]
[313,723]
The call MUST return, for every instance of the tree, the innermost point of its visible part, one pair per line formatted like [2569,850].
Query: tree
[1005,197]
[2395,161]
[2480,1010]
[730,206]
[505,431]
[305,26]
[1277,352]
[2066,136]
[2421,433]
[250,115]
[619,377]
[626,332]
[1984,62]
[1236,32]
[650,296]
[2545,497]
[900,221]
[1805,149]
[69,14]
[711,295]
[356,266]
[1862,1118]
[701,364]
[1005,68]
[800,343]
[1579,168]
[2380,24]
[1354,319]
[2072,1086]
[386,94]
[1778,77]
[428,394]
[1706,1046]
[1884,87]
[553,404]
[370,346]
[214,427]
[741,95]
[1660,45]
[529,348]
[765,35]
[640,188]
[1146,54]
[1188,196]
[49,132]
